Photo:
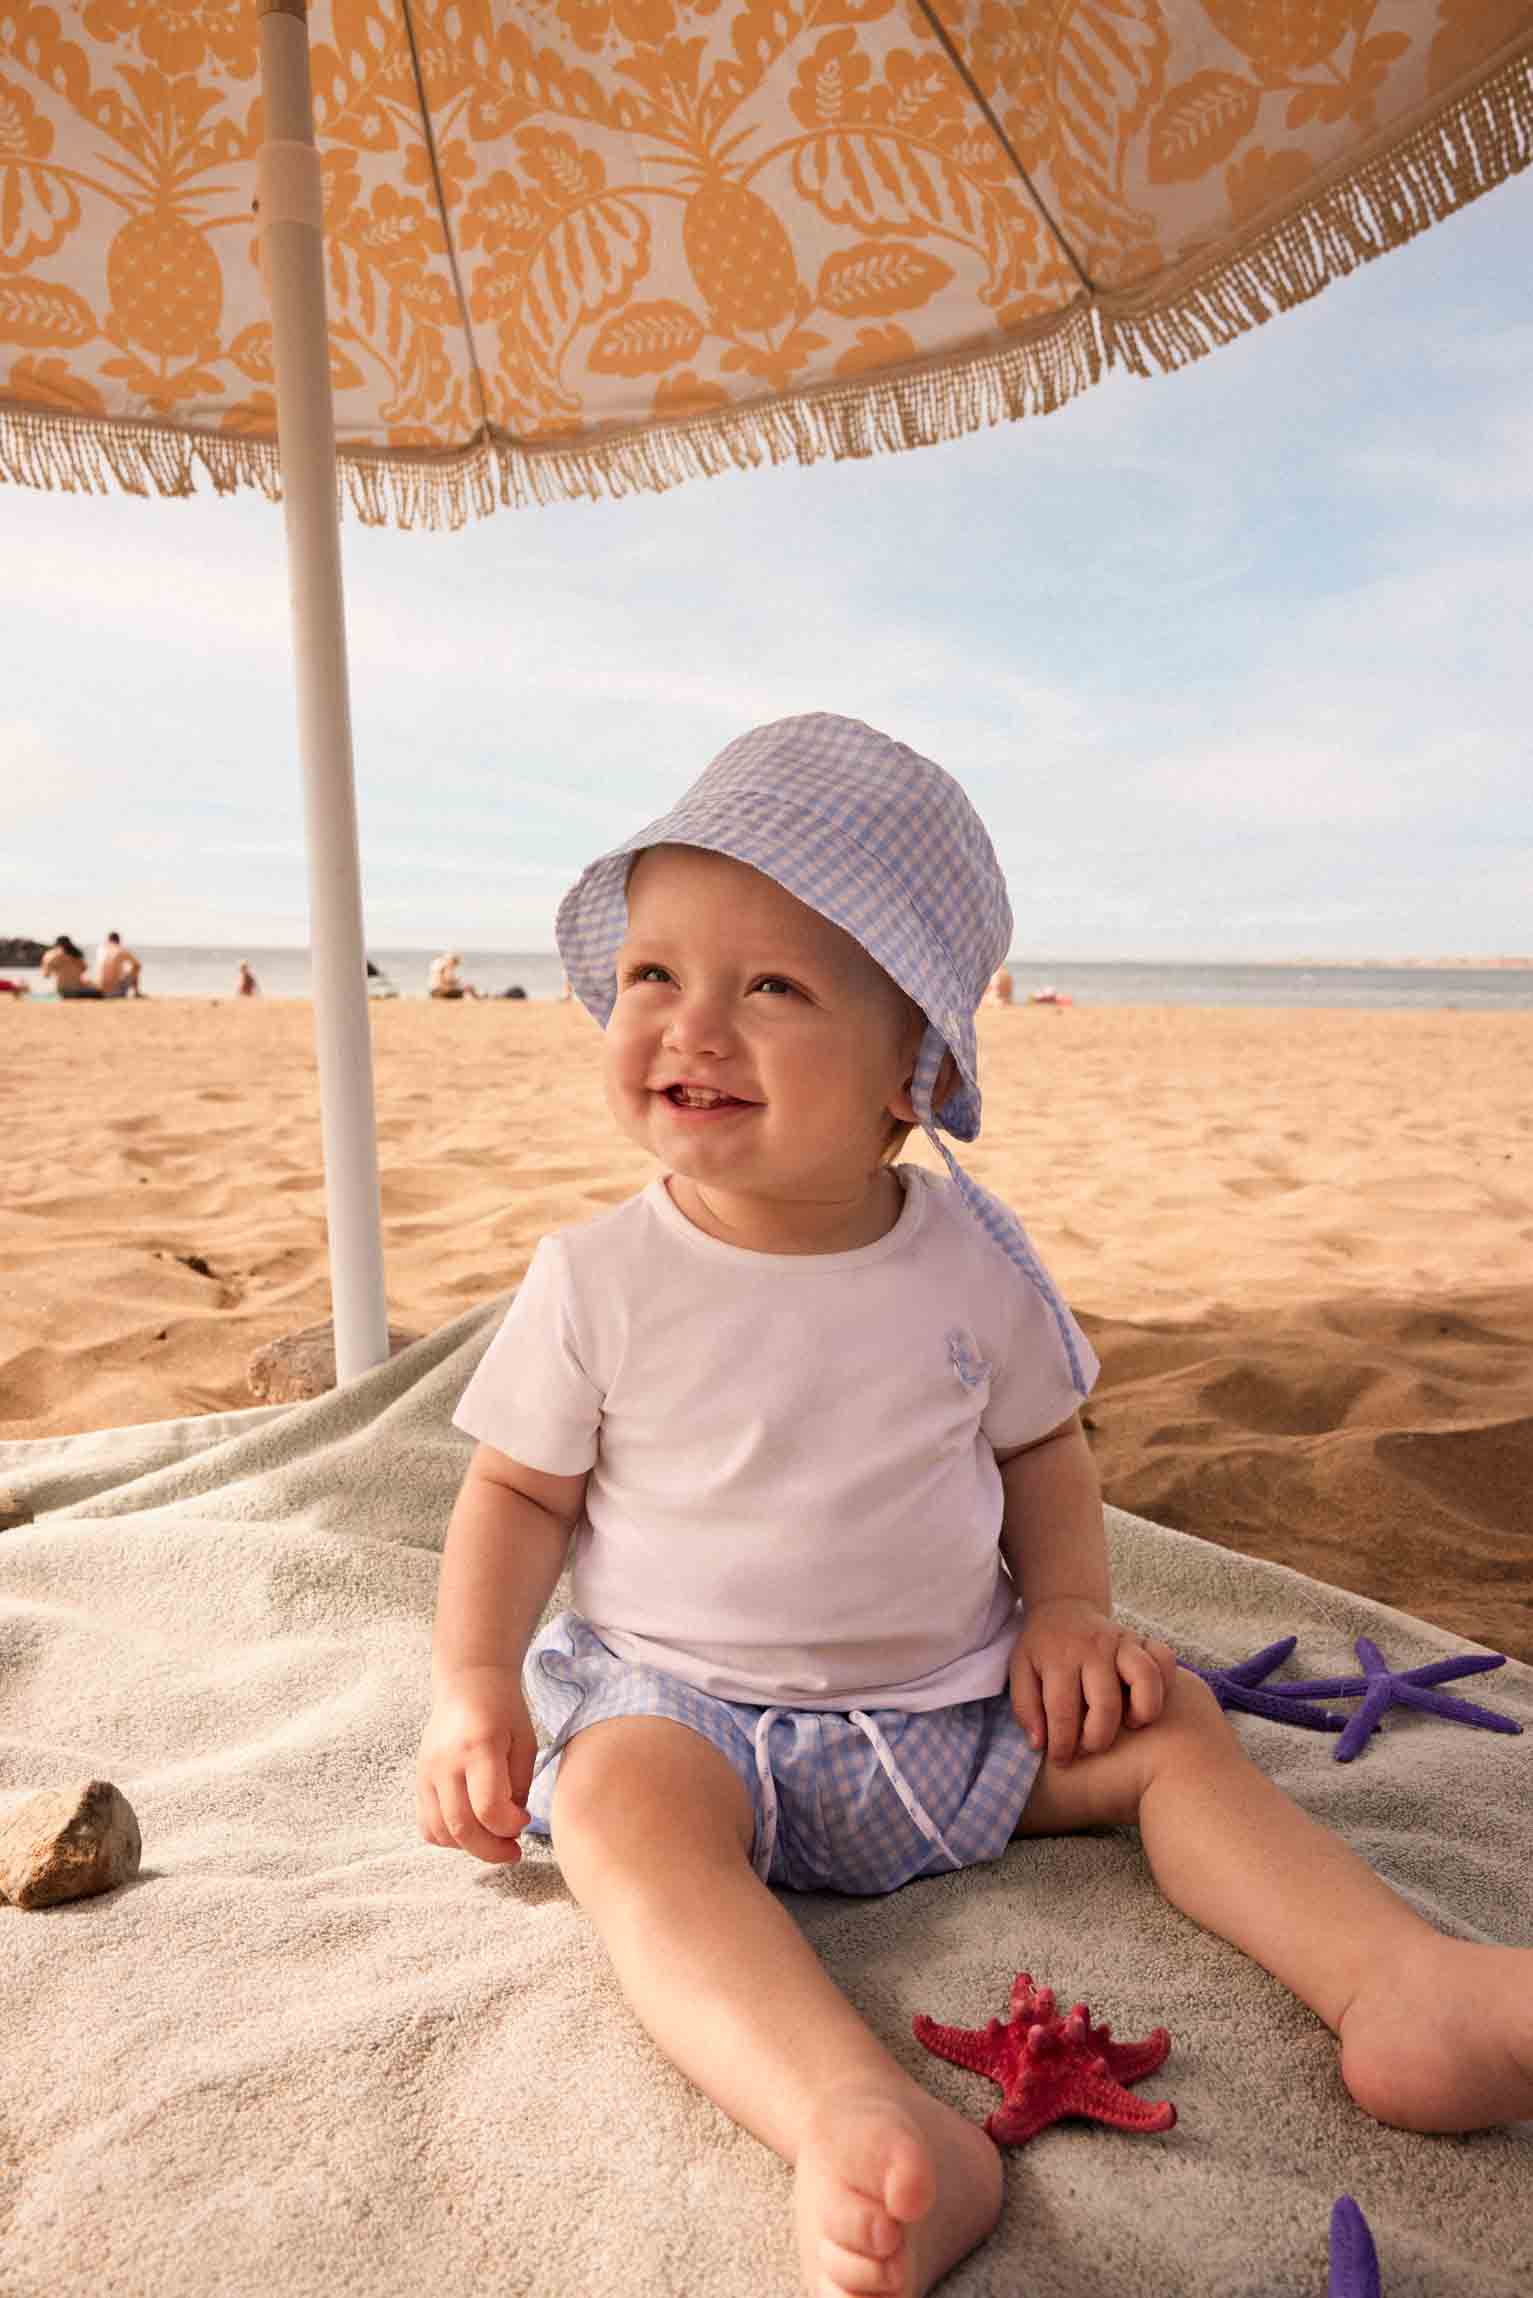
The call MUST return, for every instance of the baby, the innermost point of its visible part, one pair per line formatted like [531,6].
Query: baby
[841,1605]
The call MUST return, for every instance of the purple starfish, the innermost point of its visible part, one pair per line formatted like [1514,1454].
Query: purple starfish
[1354,2261]
[1236,1687]
[1381,1687]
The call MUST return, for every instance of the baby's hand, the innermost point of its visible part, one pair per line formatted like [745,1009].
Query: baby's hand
[475,1766]
[1071,1661]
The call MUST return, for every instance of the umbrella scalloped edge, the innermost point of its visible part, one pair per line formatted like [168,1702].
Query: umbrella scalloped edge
[1455,150]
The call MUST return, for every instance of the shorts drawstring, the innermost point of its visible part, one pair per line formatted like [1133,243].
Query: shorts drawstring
[762,1859]
[902,1787]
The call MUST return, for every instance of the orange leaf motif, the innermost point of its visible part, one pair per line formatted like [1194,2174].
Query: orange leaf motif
[646,339]
[687,394]
[25,132]
[584,267]
[875,347]
[831,84]
[876,278]
[49,383]
[885,183]
[1199,125]
[37,311]
[1467,32]
[1261,179]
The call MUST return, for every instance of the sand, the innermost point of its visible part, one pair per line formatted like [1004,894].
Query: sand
[1302,1241]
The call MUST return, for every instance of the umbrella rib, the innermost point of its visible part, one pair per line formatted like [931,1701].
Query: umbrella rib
[1001,137]
[441,201]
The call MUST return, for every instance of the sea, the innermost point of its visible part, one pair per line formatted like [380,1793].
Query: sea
[284,973]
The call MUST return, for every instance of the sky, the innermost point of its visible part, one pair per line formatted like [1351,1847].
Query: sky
[1234,662]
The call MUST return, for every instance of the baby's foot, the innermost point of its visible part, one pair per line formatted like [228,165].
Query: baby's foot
[1446,2042]
[891,2189]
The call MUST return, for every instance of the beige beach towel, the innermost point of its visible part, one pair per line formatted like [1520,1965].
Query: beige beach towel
[306,2055]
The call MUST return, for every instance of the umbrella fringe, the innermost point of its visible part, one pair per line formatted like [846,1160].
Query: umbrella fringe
[1415,179]
[52,449]
[1332,228]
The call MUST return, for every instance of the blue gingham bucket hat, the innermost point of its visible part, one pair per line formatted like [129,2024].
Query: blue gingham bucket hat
[886,846]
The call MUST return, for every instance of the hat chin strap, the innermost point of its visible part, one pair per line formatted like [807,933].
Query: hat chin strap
[1000,1224]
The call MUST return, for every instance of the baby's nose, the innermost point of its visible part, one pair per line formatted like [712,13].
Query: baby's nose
[698,1023]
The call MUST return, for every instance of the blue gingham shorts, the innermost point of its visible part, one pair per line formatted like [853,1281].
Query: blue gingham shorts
[857,1802]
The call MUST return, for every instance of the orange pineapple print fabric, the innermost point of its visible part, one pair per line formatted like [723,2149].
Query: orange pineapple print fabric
[664,216]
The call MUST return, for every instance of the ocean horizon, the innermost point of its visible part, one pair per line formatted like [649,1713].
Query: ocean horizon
[207,972]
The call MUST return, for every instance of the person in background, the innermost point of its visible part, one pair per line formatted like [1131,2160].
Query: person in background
[445,980]
[1002,988]
[117,969]
[245,983]
[64,965]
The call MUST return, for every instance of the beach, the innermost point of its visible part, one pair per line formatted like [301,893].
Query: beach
[1301,1240]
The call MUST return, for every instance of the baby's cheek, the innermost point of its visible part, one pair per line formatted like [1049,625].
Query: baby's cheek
[622,1086]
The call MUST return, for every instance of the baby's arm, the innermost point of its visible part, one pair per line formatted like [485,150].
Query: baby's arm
[1072,1663]
[505,1549]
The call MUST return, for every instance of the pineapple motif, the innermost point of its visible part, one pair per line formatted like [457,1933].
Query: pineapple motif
[166,286]
[740,257]
[1283,37]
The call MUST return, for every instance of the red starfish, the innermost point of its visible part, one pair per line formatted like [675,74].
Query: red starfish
[1049,2067]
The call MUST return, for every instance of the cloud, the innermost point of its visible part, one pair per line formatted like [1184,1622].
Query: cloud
[1233,660]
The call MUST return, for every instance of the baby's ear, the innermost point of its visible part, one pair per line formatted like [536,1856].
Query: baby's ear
[902,1107]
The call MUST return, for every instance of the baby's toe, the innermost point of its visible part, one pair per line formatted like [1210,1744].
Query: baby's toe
[858,2276]
[855,2221]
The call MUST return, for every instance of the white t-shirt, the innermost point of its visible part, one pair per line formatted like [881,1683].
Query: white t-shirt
[793,1498]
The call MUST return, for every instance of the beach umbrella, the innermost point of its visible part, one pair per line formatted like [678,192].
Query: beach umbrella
[439,255]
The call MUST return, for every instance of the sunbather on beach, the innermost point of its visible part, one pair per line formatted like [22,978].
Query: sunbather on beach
[841,1614]
[117,969]
[446,980]
[64,965]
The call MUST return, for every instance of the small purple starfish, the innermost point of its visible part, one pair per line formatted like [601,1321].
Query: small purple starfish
[1381,1687]
[1236,1687]
[1354,2261]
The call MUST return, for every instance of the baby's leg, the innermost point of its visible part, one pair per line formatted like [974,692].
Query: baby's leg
[653,1831]
[1436,2034]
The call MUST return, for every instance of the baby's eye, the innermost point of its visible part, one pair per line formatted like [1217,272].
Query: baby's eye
[776,984]
[636,973]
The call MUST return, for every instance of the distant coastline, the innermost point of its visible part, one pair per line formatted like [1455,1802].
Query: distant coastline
[23,950]
[1306,964]
[1411,965]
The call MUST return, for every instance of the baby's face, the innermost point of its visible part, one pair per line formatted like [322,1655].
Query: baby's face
[754,1048]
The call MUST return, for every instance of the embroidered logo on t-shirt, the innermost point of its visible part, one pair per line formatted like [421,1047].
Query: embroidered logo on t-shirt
[965,1359]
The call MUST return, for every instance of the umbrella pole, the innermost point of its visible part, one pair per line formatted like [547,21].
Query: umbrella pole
[290,219]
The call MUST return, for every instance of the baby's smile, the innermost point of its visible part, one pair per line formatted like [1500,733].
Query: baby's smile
[702,1099]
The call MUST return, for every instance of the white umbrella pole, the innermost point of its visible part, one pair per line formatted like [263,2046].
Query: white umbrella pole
[290,221]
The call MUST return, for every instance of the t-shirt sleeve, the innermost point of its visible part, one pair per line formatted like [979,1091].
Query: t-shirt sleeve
[533,1396]
[1032,1388]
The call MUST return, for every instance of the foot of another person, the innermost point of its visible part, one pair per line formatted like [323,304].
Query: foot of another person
[891,2189]
[1443,2041]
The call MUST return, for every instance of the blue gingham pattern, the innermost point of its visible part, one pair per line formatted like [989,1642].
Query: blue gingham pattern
[885,845]
[860,1802]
